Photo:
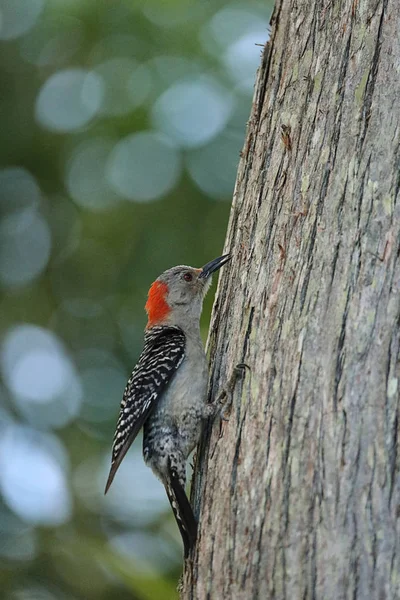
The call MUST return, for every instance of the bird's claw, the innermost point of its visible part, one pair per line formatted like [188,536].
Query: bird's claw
[225,397]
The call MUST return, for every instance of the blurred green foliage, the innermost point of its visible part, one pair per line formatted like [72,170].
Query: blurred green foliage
[122,124]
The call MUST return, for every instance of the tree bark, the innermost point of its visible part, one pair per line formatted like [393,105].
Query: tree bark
[298,495]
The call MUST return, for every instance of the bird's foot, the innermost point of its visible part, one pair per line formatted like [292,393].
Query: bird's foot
[226,396]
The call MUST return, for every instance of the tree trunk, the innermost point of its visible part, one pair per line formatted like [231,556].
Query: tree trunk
[298,495]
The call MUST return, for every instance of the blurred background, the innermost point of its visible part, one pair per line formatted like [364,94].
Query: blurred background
[121,127]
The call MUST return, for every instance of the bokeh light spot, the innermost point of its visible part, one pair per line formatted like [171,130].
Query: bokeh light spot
[193,111]
[233,22]
[31,479]
[69,99]
[126,85]
[243,57]
[27,380]
[18,540]
[213,167]
[85,177]
[25,244]
[40,376]
[143,167]
[18,189]
[99,385]
[145,550]
[18,16]
[134,504]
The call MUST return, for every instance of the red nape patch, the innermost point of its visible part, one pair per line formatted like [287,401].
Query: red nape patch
[156,306]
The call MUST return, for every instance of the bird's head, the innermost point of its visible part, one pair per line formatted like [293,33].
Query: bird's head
[176,296]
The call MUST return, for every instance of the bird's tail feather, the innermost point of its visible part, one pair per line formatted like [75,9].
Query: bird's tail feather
[182,510]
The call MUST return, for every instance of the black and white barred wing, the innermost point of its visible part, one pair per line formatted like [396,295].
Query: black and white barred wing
[163,352]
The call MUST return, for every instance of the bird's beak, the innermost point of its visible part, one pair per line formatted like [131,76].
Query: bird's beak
[213,266]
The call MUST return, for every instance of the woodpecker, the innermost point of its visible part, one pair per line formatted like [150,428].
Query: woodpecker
[167,390]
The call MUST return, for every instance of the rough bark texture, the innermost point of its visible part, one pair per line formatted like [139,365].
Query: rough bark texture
[298,494]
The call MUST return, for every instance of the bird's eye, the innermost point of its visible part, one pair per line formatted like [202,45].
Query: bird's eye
[188,277]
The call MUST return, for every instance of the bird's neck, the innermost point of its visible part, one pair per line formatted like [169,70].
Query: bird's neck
[157,307]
